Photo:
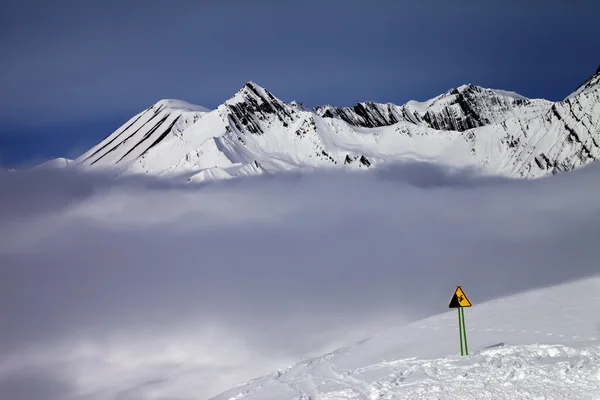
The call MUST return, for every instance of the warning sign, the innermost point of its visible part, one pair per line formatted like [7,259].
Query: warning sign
[459,299]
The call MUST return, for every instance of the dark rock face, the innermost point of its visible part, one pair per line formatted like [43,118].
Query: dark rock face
[579,134]
[369,114]
[307,126]
[362,160]
[464,108]
[258,105]
[465,115]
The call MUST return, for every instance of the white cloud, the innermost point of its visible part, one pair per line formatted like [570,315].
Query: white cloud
[139,289]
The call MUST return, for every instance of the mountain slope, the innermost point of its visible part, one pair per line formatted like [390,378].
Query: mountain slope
[590,84]
[540,344]
[460,109]
[254,132]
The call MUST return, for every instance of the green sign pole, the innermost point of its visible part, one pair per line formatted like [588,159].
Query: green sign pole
[460,331]
[459,300]
[464,330]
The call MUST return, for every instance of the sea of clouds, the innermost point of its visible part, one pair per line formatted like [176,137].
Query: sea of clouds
[140,288]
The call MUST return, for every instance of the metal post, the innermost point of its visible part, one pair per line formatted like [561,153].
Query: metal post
[464,330]
[460,331]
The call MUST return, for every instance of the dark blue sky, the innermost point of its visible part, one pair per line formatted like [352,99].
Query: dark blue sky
[73,71]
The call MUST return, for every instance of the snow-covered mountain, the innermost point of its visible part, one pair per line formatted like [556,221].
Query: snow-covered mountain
[254,132]
[540,344]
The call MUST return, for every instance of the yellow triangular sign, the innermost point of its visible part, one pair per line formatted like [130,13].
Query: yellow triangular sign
[459,299]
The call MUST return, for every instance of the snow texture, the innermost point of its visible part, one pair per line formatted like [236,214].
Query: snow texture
[517,349]
[500,132]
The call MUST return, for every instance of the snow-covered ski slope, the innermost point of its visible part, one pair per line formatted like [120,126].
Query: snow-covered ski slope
[542,344]
[254,132]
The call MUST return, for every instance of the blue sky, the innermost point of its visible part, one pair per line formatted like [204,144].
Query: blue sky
[74,71]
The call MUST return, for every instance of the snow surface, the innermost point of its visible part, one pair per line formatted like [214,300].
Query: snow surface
[55,163]
[210,174]
[542,344]
[181,105]
[500,132]
[508,93]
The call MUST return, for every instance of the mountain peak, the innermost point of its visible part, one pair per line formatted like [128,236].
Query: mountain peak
[258,96]
[178,105]
[469,87]
[299,105]
[251,90]
[254,88]
[253,85]
[250,108]
[466,86]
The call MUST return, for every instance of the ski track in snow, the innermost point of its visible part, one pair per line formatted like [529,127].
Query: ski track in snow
[526,371]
